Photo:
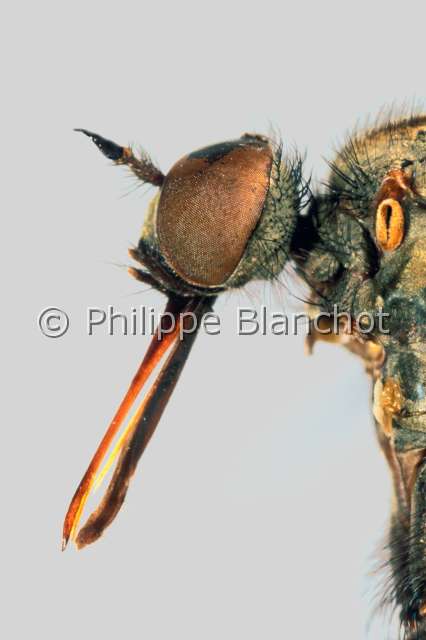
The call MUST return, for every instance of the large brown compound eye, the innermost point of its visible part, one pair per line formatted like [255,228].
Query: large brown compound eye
[389,224]
[209,205]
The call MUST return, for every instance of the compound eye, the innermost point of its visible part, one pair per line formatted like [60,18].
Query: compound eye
[389,224]
[209,205]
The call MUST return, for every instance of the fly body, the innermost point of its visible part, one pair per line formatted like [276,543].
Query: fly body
[362,249]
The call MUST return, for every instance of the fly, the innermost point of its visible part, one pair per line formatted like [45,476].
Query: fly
[231,213]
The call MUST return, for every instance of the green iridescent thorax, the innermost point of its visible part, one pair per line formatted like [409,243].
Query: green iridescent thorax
[365,252]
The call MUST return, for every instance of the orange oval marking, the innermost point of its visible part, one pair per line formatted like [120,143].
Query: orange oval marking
[389,224]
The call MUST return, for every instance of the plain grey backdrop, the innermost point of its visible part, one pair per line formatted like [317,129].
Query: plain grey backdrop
[260,502]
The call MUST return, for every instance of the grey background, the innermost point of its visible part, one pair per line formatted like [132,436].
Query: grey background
[262,497]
